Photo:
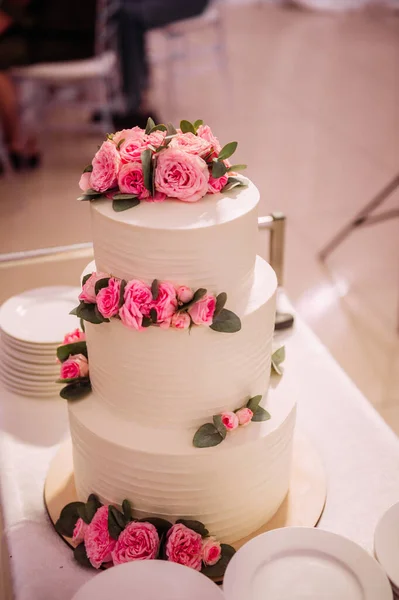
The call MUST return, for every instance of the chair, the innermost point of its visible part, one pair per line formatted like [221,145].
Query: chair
[96,79]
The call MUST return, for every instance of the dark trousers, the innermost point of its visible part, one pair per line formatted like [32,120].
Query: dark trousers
[136,17]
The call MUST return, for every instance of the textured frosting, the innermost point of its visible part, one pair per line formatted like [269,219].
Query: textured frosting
[210,243]
[174,378]
[233,488]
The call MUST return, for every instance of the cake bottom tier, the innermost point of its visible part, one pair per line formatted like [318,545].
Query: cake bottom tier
[233,488]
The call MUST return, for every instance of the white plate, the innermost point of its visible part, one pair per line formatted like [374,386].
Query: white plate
[300,563]
[386,544]
[9,342]
[40,316]
[30,393]
[149,580]
[30,369]
[35,359]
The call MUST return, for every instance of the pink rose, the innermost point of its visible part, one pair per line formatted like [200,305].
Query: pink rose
[156,138]
[79,531]
[74,336]
[123,134]
[84,181]
[131,180]
[88,293]
[202,311]
[244,416]
[138,541]
[75,366]
[98,543]
[166,302]
[181,320]
[181,175]
[130,150]
[108,298]
[205,132]
[184,294]
[191,143]
[229,420]
[106,163]
[211,551]
[137,302]
[216,185]
[184,546]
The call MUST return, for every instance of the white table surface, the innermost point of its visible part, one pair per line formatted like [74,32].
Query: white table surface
[360,453]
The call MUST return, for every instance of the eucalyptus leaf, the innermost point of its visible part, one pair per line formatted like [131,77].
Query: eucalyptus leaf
[119,144]
[253,403]
[93,193]
[160,127]
[124,204]
[218,169]
[196,526]
[155,289]
[88,312]
[88,169]
[67,519]
[207,436]
[116,522]
[227,150]
[226,322]
[86,278]
[65,351]
[147,322]
[82,325]
[74,311]
[146,163]
[170,129]
[198,295]
[84,198]
[275,368]
[127,510]
[221,300]
[198,124]
[101,283]
[79,554]
[232,183]
[69,380]
[150,125]
[260,414]
[237,168]
[187,127]
[217,421]
[122,292]
[278,355]
[154,315]
[92,506]
[76,391]
[161,525]
[82,514]
[120,196]
[217,571]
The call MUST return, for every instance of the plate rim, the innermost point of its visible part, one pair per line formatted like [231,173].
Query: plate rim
[392,576]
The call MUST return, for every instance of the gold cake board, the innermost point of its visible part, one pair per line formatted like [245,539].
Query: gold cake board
[302,506]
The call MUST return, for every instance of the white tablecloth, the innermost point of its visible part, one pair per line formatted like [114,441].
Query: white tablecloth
[360,453]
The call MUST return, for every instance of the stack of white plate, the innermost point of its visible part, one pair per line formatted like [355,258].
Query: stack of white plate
[32,325]
[386,545]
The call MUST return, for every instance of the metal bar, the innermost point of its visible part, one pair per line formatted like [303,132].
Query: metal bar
[15,257]
[385,216]
[276,225]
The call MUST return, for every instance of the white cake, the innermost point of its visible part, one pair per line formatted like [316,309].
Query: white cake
[133,436]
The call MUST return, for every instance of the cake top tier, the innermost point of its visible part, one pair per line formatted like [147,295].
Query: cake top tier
[150,165]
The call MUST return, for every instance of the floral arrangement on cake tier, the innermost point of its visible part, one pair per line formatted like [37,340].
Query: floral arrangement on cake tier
[139,305]
[160,162]
[104,536]
[74,366]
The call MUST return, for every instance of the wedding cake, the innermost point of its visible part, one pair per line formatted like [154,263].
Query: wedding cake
[179,317]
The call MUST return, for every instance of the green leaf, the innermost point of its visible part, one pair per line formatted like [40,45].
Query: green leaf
[93,193]
[161,525]
[196,526]
[88,312]
[260,414]
[84,198]
[278,355]
[150,125]
[154,315]
[116,522]
[218,169]
[207,436]
[64,352]
[119,144]
[109,136]
[67,519]
[71,379]
[217,421]
[122,292]
[155,289]
[187,127]
[127,510]
[79,554]
[101,283]
[232,183]
[160,127]
[170,129]
[200,293]
[147,322]
[76,391]
[253,403]
[99,316]
[226,322]
[86,278]
[88,169]
[237,168]
[92,506]
[82,514]
[74,311]
[198,124]
[124,204]
[217,571]
[146,162]
[221,300]
[119,196]
[227,150]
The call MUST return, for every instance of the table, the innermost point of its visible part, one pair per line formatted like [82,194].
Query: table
[360,453]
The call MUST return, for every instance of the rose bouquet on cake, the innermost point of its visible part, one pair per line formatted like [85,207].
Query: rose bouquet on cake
[160,162]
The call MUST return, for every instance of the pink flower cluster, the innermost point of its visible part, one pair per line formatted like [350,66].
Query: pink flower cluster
[232,420]
[140,541]
[182,168]
[138,303]
[76,365]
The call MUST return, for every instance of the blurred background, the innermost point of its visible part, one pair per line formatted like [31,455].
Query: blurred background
[310,89]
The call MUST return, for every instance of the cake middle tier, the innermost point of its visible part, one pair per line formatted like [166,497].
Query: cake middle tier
[180,378]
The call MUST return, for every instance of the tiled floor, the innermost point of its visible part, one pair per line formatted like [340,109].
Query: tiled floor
[314,101]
